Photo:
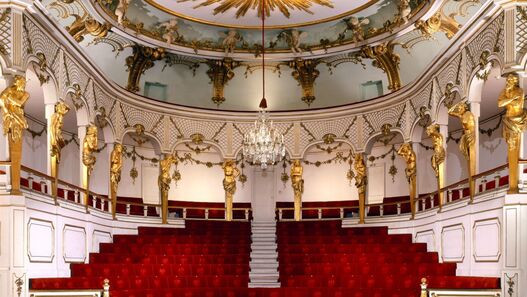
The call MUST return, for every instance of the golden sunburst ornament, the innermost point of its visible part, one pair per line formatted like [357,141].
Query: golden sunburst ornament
[242,6]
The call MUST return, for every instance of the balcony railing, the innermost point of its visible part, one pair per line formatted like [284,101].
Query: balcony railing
[70,193]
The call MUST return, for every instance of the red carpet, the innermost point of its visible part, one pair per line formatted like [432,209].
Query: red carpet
[211,259]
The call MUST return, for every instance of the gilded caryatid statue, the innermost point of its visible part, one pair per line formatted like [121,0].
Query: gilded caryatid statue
[116,164]
[56,141]
[467,143]
[163,182]
[407,153]
[229,185]
[361,182]
[438,157]
[12,101]
[89,147]
[298,187]
[514,122]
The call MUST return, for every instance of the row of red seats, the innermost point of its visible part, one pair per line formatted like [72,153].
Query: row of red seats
[181,239]
[175,249]
[395,239]
[368,268]
[171,259]
[382,258]
[127,283]
[130,270]
[348,248]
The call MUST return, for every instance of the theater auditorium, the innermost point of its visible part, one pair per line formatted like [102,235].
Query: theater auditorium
[263,148]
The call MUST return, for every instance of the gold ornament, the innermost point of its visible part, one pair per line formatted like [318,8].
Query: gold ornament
[514,122]
[386,59]
[297,182]
[438,158]
[407,153]
[57,142]
[163,182]
[361,182]
[116,164]
[229,185]
[12,101]
[142,58]
[242,6]
[305,73]
[467,143]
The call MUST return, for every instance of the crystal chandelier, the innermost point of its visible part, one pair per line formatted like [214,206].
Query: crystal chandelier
[263,144]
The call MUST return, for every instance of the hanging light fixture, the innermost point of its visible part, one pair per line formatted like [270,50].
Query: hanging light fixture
[263,144]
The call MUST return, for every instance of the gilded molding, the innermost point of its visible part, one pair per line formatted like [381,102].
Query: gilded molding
[305,73]
[142,59]
[220,73]
[385,58]
[438,22]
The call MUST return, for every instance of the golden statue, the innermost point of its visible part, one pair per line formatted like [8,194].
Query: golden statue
[298,186]
[407,153]
[514,122]
[438,158]
[89,146]
[467,143]
[229,185]
[163,182]
[12,101]
[116,164]
[361,182]
[56,142]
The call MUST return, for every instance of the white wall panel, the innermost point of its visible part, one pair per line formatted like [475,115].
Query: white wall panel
[41,240]
[74,244]
[100,237]
[428,237]
[487,240]
[453,243]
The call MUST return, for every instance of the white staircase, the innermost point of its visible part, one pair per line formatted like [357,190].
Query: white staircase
[264,256]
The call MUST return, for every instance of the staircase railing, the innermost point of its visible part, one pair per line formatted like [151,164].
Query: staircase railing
[429,292]
[105,292]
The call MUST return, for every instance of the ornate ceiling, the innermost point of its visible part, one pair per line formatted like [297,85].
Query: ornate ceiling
[202,53]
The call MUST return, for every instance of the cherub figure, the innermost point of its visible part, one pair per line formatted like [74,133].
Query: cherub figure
[294,40]
[121,9]
[230,40]
[171,30]
[356,26]
[404,11]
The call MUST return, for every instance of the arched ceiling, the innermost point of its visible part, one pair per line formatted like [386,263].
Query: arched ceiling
[333,62]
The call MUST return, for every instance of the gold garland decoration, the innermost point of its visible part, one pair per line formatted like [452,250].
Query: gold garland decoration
[393,169]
